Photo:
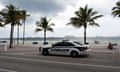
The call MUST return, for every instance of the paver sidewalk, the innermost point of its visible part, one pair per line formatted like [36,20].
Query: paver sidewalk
[104,49]
[22,48]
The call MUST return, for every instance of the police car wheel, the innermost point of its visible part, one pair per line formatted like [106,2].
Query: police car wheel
[74,54]
[45,52]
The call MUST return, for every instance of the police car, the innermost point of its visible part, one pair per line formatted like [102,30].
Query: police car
[70,48]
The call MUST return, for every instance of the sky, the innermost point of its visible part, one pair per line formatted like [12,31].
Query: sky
[60,12]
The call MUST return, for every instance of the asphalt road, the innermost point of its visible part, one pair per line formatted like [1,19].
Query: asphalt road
[39,63]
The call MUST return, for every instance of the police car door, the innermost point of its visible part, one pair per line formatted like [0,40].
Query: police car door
[62,48]
[66,46]
[56,48]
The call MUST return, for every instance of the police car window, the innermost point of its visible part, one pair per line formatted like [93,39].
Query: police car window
[63,44]
[67,44]
[58,44]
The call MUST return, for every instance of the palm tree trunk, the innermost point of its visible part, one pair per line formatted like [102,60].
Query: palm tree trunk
[85,35]
[23,32]
[18,35]
[44,36]
[11,35]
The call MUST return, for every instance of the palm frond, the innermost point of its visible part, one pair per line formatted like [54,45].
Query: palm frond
[77,13]
[38,24]
[96,17]
[86,8]
[89,11]
[116,13]
[38,29]
[52,24]
[118,3]
[49,29]
[74,20]
[94,13]
[94,24]
[116,10]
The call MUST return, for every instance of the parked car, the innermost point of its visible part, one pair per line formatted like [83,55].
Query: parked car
[70,48]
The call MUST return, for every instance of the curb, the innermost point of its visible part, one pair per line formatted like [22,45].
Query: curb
[106,52]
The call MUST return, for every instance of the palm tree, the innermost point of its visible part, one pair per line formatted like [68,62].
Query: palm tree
[116,10]
[22,18]
[18,34]
[44,25]
[18,29]
[18,24]
[11,16]
[24,13]
[84,17]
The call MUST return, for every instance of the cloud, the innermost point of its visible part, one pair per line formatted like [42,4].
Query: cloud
[42,6]
[60,11]
[101,6]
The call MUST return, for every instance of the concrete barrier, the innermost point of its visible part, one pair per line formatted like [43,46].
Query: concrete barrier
[4,44]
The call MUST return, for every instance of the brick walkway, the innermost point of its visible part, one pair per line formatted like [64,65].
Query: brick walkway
[105,50]
[21,48]
[33,48]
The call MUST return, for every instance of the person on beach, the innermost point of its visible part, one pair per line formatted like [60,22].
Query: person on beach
[110,46]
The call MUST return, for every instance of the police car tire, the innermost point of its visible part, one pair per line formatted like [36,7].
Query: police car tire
[74,54]
[45,52]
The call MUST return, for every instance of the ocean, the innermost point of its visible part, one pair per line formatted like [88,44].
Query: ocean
[89,39]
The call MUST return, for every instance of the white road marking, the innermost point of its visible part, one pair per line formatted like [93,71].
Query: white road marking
[25,54]
[67,63]
[96,60]
[6,70]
